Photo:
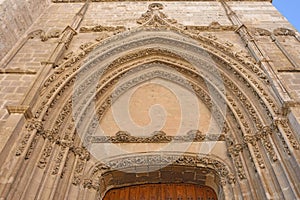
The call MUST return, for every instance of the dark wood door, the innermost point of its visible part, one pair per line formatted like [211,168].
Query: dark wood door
[162,192]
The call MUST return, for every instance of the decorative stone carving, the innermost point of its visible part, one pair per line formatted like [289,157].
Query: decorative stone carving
[32,125]
[252,139]
[100,28]
[36,33]
[264,136]
[46,154]
[260,32]
[58,160]
[154,17]
[50,34]
[31,148]
[212,27]
[288,132]
[284,32]
[161,160]
[234,150]
[44,36]
[23,144]
[78,172]
[157,137]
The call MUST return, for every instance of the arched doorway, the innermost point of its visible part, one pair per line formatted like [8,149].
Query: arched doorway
[162,192]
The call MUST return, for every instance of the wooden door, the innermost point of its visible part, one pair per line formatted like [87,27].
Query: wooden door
[162,192]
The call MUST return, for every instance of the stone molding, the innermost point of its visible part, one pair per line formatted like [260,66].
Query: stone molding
[17,71]
[220,168]
[20,109]
[156,137]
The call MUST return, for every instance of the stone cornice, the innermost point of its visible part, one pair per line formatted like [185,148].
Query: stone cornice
[20,109]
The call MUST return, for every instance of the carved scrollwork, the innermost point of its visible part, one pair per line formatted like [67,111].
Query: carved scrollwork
[91,184]
[78,172]
[284,32]
[31,148]
[154,17]
[156,137]
[213,27]
[260,32]
[234,150]
[264,136]
[252,139]
[44,36]
[160,160]
[288,132]
[100,28]
[59,160]
[35,125]
[32,125]
[23,144]
[45,156]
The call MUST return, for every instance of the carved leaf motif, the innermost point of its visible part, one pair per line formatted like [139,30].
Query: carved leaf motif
[156,137]
[284,32]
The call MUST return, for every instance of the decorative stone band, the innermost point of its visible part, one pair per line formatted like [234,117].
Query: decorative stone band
[162,159]
[156,137]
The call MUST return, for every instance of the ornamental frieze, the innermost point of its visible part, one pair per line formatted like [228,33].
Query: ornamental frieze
[43,35]
[224,173]
[100,28]
[156,137]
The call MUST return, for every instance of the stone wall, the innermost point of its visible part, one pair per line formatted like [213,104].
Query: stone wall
[16,16]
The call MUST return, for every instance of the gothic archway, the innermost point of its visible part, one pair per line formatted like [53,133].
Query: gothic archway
[232,88]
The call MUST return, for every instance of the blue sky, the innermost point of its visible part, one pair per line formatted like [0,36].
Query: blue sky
[290,9]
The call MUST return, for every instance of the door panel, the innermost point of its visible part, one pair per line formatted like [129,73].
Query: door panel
[162,192]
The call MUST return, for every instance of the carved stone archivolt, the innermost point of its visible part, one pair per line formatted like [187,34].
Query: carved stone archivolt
[158,45]
[241,97]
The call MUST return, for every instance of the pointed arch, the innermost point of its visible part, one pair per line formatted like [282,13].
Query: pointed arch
[219,78]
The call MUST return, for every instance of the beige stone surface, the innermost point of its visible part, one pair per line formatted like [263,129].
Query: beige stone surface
[47,155]
[16,17]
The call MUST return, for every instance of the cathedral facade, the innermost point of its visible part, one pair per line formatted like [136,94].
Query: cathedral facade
[167,100]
